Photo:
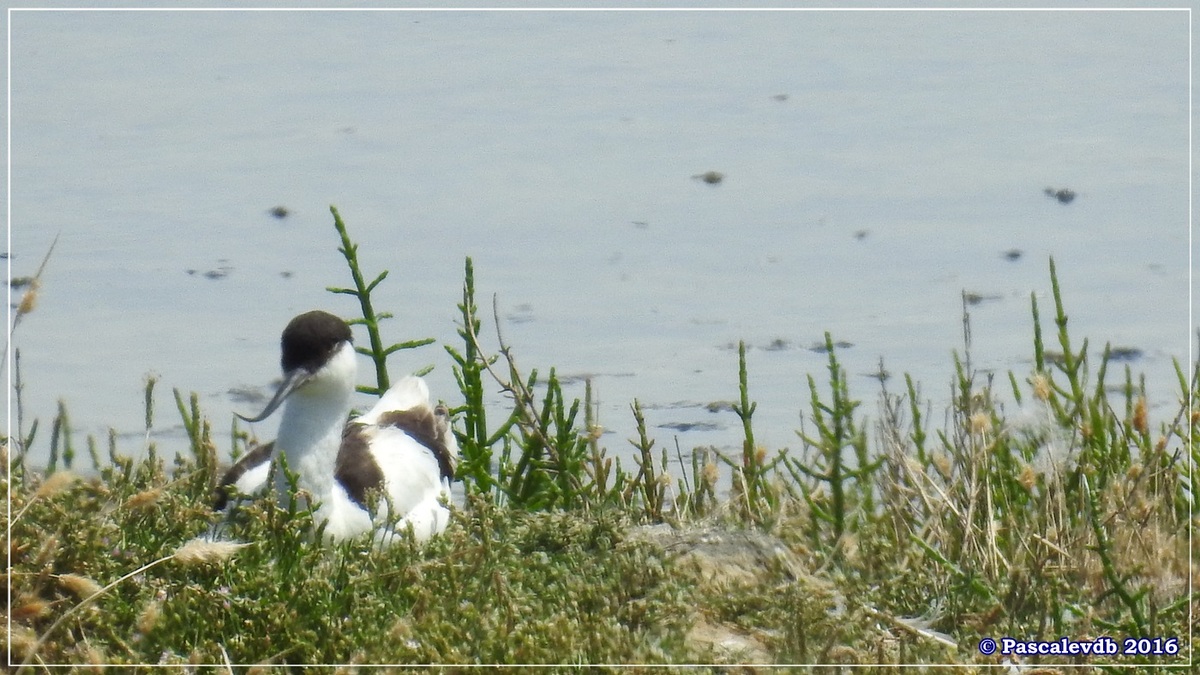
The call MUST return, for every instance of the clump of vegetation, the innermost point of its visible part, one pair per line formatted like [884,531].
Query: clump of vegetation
[1049,506]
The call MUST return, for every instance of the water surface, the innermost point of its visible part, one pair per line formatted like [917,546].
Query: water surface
[876,165]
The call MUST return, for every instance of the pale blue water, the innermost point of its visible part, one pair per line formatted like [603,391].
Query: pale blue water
[877,164]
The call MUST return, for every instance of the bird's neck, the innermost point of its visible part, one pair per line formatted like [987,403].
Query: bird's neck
[310,435]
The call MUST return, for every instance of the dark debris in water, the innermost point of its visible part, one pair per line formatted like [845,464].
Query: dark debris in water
[522,313]
[710,177]
[581,378]
[883,375]
[972,298]
[719,406]
[672,405]
[778,345]
[252,395]
[1063,195]
[820,348]
[1013,254]
[279,212]
[780,97]
[219,272]
[690,426]
[1125,354]
[20,282]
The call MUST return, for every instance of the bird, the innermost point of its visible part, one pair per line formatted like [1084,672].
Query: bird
[386,471]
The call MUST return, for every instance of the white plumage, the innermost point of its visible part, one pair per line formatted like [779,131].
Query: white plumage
[385,471]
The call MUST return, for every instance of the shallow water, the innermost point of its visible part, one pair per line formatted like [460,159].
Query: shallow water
[876,165]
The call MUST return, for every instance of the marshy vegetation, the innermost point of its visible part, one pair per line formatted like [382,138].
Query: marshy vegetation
[1048,505]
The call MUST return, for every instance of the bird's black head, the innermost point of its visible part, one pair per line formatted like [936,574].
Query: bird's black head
[310,339]
[308,343]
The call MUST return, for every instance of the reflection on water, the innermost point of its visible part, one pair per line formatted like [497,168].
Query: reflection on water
[638,190]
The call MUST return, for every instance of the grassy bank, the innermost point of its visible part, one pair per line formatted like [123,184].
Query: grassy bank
[1048,505]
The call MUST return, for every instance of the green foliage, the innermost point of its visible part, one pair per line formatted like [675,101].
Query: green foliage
[1067,515]
[1065,522]
[475,441]
[502,586]
[839,481]
[542,456]
[649,484]
[362,291]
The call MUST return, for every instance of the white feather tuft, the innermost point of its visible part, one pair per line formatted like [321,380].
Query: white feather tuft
[410,392]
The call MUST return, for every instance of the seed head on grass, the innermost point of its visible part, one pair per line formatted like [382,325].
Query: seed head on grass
[1134,472]
[29,607]
[93,656]
[148,617]
[29,300]
[981,423]
[21,639]
[845,654]
[81,586]
[760,454]
[1140,424]
[944,464]
[143,499]
[56,483]
[201,551]
[1027,478]
[849,547]
[46,551]
[1041,387]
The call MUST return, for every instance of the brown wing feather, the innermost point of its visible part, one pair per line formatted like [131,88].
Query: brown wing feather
[355,468]
[260,454]
[429,428]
